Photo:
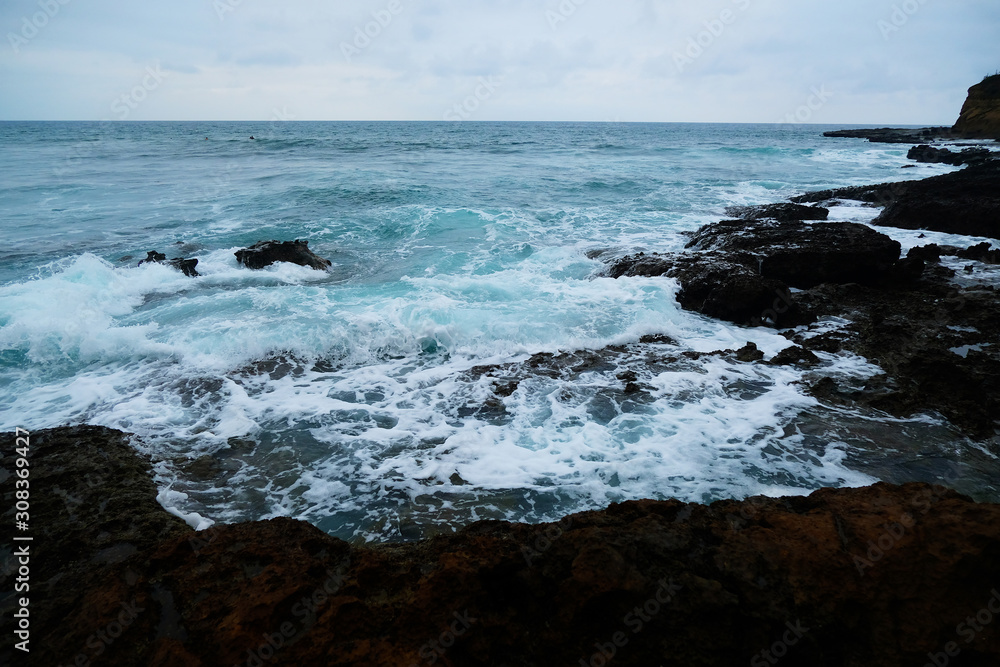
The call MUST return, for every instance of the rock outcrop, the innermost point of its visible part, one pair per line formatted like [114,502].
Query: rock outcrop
[741,270]
[715,285]
[803,255]
[890,135]
[980,117]
[884,575]
[784,212]
[266,253]
[186,266]
[930,155]
[964,202]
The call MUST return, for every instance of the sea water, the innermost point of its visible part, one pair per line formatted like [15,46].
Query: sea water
[351,398]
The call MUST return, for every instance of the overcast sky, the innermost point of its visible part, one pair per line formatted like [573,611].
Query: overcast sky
[823,61]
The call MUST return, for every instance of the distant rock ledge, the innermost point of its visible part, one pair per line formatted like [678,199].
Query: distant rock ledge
[884,575]
[980,119]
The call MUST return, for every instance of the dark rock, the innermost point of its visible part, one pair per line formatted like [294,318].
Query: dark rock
[186,266]
[907,270]
[803,255]
[748,353]
[888,135]
[928,253]
[780,212]
[266,253]
[727,579]
[153,257]
[795,356]
[908,331]
[964,202]
[657,339]
[980,117]
[931,155]
[983,252]
[716,286]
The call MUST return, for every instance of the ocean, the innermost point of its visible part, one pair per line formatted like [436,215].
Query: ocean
[356,398]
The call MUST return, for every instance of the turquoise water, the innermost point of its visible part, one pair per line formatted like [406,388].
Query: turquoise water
[346,398]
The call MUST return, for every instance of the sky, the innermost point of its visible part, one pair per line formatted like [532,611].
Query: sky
[817,61]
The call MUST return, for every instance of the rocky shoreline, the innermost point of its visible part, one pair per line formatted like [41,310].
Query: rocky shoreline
[908,315]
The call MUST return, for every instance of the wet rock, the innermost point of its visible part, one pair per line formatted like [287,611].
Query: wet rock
[748,353]
[984,252]
[930,155]
[781,212]
[908,330]
[185,266]
[928,253]
[266,253]
[907,270]
[715,584]
[657,339]
[890,135]
[964,202]
[715,285]
[803,255]
[794,356]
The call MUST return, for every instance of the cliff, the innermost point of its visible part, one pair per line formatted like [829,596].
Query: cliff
[980,117]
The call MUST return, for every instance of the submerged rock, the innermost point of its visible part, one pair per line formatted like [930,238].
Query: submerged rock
[186,266]
[266,253]
[858,577]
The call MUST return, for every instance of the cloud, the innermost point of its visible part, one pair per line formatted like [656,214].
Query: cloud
[643,60]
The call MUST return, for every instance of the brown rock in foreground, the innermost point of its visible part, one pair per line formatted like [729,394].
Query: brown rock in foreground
[885,575]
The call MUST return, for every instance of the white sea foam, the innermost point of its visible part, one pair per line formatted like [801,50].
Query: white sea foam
[352,397]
